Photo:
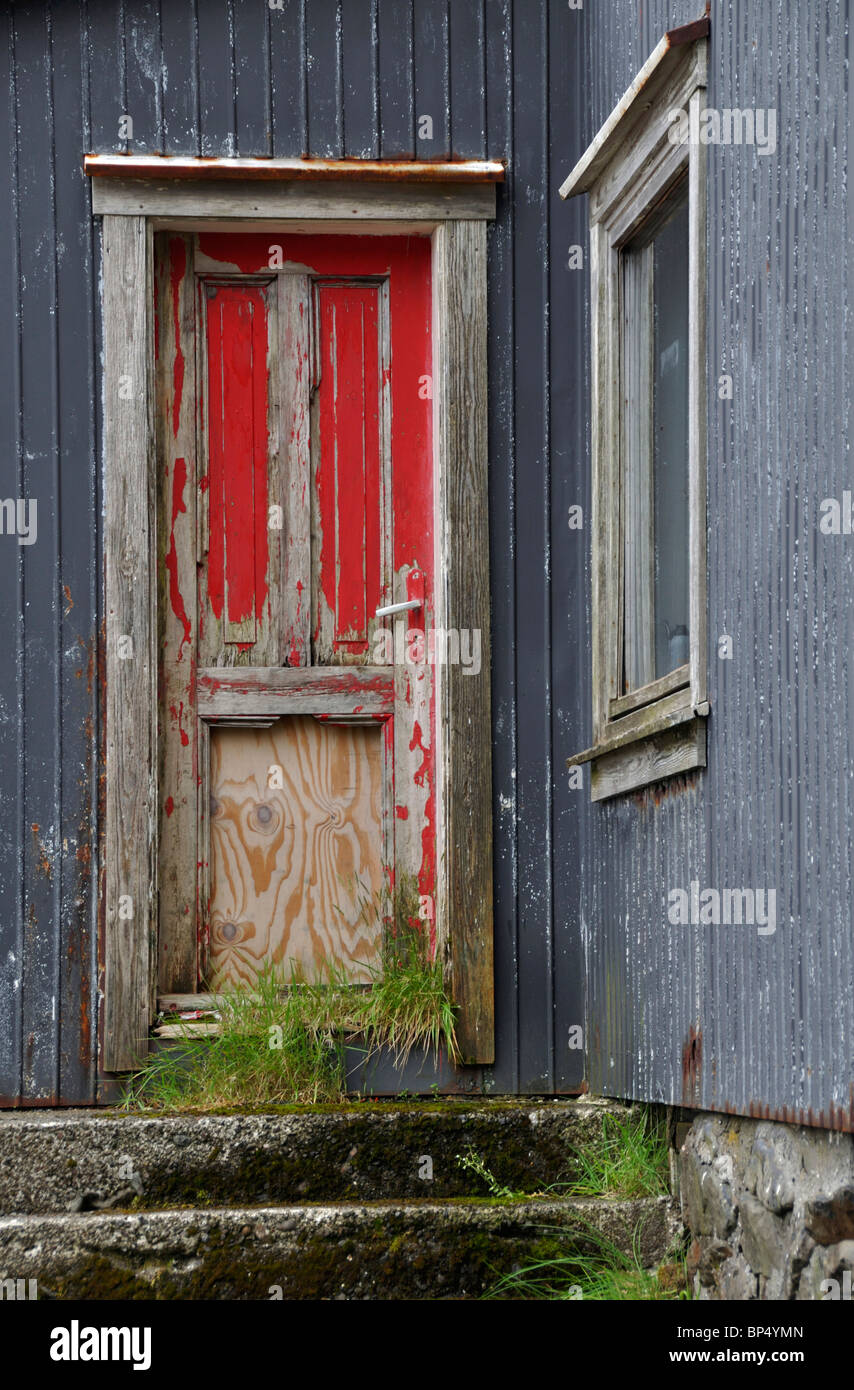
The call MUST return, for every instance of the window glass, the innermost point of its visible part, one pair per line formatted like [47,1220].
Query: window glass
[670,442]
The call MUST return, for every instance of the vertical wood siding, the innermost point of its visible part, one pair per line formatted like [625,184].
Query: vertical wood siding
[578,888]
[718,1016]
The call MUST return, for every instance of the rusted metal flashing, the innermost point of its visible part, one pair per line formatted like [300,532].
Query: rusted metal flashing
[665,57]
[147,166]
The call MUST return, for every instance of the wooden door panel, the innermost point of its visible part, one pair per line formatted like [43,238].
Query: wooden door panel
[304,486]
[240,553]
[351,522]
[297,869]
[236,341]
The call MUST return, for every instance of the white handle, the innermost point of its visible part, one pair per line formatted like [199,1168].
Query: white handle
[397,608]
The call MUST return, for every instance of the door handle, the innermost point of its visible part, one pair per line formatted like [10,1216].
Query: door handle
[397,608]
[415,590]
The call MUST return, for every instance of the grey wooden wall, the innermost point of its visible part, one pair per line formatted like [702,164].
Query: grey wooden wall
[235,77]
[716,1017]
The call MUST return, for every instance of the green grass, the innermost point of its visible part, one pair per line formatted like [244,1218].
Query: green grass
[628,1160]
[281,1041]
[608,1274]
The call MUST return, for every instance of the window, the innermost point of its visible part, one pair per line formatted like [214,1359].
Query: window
[647,252]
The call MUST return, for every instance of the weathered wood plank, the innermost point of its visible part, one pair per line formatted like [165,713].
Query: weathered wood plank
[277,170]
[175,433]
[462,583]
[294,374]
[225,692]
[652,760]
[697,369]
[427,202]
[130,870]
[647,694]
[666,712]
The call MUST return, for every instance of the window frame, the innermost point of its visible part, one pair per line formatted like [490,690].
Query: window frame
[651,733]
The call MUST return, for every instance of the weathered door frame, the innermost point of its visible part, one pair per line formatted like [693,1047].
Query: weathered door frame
[455,215]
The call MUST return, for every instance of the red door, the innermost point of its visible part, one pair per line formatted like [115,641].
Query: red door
[297,727]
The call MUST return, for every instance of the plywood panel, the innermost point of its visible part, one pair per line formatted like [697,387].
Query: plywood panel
[292,866]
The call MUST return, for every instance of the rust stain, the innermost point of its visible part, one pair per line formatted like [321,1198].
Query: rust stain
[68,599]
[692,1060]
[89,649]
[43,862]
[660,792]
[833,1117]
[439,170]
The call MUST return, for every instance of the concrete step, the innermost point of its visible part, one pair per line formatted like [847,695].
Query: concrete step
[381,1250]
[388,1151]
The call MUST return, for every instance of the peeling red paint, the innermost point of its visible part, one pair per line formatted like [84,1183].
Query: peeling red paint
[179,483]
[235,574]
[170,806]
[178,718]
[417,742]
[349,466]
[237,433]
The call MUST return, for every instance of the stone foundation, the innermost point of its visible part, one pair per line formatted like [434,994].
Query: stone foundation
[769,1209]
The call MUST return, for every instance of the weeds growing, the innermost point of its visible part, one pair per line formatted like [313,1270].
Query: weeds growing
[604,1274]
[281,1041]
[628,1160]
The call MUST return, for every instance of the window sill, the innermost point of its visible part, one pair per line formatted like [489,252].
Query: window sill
[647,746]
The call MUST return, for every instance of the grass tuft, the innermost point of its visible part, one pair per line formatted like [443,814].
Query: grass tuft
[602,1273]
[281,1041]
[628,1160]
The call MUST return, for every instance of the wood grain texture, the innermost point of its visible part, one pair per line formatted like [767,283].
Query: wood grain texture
[297,869]
[294,370]
[423,203]
[276,690]
[652,760]
[130,869]
[462,571]
[175,466]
